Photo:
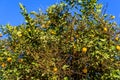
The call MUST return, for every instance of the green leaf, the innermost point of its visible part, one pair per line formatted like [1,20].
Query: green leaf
[21,6]
[79,1]
[105,55]
[103,40]
[112,48]
[66,78]
[65,67]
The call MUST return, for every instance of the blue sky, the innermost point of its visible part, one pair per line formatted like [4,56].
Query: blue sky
[10,12]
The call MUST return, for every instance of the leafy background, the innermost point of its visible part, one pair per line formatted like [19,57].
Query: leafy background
[74,41]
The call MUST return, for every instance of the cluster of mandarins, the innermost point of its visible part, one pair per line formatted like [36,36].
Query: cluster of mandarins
[116,38]
[118,46]
[9,60]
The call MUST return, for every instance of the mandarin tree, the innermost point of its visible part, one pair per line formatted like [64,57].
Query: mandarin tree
[72,40]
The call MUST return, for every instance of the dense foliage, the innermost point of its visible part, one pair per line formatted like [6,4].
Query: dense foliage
[72,40]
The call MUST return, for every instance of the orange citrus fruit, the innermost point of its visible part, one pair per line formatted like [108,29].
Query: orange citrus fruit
[52,32]
[84,50]
[20,60]
[118,48]
[55,69]
[3,65]
[84,70]
[116,38]
[9,59]
[105,29]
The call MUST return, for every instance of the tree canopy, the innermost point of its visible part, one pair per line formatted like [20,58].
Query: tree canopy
[72,40]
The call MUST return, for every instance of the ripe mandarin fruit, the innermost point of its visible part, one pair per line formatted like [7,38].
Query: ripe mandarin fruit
[105,29]
[3,65]
[20,60]
[53,32]
[116,38]
[118,47]
[84,50]
[9,59]
[55,69]
[84,70]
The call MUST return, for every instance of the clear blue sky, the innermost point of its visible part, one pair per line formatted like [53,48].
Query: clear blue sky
[10,12]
